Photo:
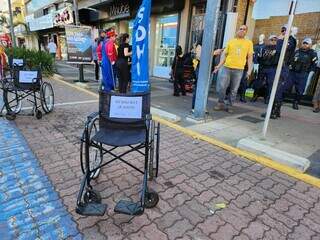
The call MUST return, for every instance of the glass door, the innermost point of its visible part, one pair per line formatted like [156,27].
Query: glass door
[165,44]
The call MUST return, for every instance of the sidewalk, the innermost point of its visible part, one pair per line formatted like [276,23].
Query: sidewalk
[205,191]
[29,206]
[297,132]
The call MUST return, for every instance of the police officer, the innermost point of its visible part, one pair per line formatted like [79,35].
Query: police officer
[268,61]
[292,43]
[303,62]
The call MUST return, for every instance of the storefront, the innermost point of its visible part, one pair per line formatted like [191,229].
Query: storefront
[164,27]
[52,26]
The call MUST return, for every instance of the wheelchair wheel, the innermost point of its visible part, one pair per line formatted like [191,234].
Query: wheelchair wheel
[95,155]
[154,150]
[38,114]
[151,199]
[92,196]
[47,97]
[12,101]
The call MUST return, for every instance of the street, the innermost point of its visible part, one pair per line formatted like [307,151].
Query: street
[205,192]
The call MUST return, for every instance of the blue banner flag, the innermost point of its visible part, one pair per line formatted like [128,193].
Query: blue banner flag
[107,84]
[140,49]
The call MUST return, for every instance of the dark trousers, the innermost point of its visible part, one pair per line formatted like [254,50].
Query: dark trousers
[96,69]
[179,84]
[123,75]
[298,80]
[283,83]
[269,74]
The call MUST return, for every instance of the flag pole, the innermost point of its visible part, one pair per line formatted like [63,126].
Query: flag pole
[279,67]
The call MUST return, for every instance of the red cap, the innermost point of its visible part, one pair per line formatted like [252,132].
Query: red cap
[111,33]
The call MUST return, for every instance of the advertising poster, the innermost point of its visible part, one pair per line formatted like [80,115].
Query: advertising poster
[79,44]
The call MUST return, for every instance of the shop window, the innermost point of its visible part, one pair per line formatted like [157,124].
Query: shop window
[166,39]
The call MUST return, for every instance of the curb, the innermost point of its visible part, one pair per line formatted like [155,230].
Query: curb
[239,152]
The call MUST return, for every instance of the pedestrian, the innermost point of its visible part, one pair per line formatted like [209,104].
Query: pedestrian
[303,62]
[177,71]
[196,63]
[284,75]
[122,63]
[95,58]
[316,96]
[52,49]
[112,52]
[268,61]
[237,53]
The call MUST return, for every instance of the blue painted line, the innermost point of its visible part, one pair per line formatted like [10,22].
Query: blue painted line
[29,206]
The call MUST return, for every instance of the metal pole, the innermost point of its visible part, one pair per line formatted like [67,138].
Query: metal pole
[76,12]
[76,16]
[11,25]
[208,42]
[279,67]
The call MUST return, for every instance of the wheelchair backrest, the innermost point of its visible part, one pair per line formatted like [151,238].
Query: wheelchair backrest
[17,62]
[123,110]
[27,79]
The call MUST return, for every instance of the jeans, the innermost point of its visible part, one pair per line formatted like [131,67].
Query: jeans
[228,76]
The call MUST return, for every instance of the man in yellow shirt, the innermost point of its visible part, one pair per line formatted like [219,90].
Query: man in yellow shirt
[237,53]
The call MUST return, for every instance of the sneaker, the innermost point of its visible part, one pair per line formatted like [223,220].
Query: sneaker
[219,107]
[176,94]
[316,110]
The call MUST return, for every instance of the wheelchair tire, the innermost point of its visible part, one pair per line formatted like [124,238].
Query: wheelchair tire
[151,152]
[47,97]
[38,114]
[96,154]
[10,116]
[12,102]
[92,196]
[154,152]
[151,199]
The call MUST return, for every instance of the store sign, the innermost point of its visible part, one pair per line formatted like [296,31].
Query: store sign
[119,10]
[79,44]
[40,23]
[63,16]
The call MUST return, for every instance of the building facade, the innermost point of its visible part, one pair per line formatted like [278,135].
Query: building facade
[46,20]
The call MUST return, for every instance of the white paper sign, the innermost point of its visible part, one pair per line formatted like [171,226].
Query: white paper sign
[17,62]
[125,107]
[28,76]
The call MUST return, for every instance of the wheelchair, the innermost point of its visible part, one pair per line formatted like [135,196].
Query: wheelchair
[23,83]
[117,128]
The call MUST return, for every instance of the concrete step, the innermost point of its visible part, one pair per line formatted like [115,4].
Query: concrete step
[267,149]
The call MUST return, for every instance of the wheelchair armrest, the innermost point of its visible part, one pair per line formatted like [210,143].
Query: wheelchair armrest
[92,116]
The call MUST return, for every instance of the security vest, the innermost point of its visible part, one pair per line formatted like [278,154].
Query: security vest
[269,56]
[304,60]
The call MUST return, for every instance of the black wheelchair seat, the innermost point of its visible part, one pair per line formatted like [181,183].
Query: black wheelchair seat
[120,137]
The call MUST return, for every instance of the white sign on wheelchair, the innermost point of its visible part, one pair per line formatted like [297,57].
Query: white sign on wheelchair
[17,62]
[125,107]
[28,76]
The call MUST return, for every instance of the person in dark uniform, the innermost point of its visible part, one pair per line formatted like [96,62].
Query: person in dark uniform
[268,61]
[122,62]
[284,76]
[177,71]
[303,62]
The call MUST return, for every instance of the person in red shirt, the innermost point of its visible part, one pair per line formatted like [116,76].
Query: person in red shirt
[110,47]
[112,53]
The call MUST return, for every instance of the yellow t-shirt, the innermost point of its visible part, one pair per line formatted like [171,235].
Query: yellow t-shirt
[237,51]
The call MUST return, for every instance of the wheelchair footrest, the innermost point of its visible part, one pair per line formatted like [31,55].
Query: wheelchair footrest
[129,208]
[91,209]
